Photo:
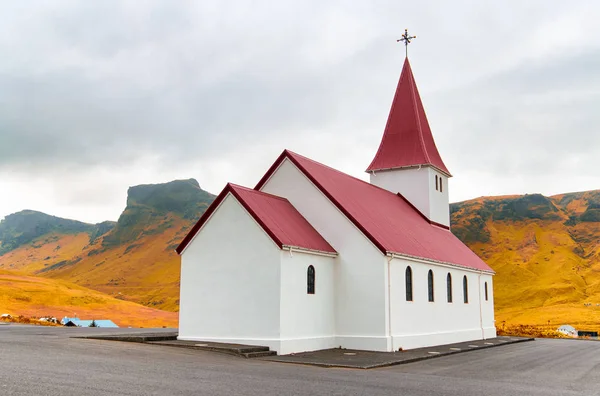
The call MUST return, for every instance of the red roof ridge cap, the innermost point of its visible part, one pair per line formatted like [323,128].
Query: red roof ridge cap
[251,190]
[391,111]
[369,184]
[339,171]
[287,152]
[416,111]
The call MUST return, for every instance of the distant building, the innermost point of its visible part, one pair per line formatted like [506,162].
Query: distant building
[66,320]
[567,330]
[587,334]
[313,258]
[76,322]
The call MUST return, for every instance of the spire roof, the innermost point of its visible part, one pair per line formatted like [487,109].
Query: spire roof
[407,140]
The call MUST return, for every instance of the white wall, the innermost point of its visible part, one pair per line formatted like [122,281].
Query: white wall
[412,183]
[307,320]
[230,281]
[418,186]
[487,307]
[360,272]
[422,323]
[439,201]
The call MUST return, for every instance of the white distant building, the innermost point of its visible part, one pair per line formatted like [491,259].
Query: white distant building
[567,330]
[312,258]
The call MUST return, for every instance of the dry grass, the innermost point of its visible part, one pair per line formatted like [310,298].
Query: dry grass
[147,274]
[29,296]
[529,331]
[545,271]
[31,321]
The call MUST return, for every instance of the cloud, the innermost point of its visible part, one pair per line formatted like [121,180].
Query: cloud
[535,118]
[215,90]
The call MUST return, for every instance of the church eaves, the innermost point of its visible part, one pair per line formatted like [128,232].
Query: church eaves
[407,140]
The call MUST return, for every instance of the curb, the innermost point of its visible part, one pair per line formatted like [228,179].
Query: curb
[397,362]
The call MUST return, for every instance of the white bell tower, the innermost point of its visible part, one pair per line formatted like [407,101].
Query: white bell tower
[407,161]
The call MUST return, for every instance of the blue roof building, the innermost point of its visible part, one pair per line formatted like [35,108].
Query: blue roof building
[76,322]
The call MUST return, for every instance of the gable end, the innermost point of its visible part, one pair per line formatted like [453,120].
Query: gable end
[337,204]
[213,207]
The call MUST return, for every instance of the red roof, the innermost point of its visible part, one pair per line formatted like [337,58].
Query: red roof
[276,215]
[387,219]
[407,139]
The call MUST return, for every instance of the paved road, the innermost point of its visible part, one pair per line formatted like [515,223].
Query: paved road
[44,361]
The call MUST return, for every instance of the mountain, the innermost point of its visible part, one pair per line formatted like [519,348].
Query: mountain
[545,251]
[132,259]
[22,228]
[150,206]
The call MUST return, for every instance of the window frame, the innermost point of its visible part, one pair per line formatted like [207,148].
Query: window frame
[310,280]
[485,287]
[465,290]
[408,284]
[449,296]
[430,287]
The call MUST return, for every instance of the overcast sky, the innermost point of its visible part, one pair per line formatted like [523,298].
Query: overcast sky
[96,96]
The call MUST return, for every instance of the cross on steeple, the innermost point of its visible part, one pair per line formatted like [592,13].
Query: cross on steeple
[406,40]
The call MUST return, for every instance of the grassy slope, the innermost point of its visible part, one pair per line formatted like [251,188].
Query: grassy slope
[546,269]
[135,260]
[34,296]
[546,257]
[146,271]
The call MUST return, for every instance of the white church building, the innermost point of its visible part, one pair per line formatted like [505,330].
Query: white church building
[312,258]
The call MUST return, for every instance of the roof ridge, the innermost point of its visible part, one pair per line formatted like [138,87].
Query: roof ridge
[388,233]
[251,190]
[416,111]
[389,114]
[339,171]
[372,185]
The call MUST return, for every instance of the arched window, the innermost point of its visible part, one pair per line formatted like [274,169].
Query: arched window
[436,183]
[408,280]
[310,280]
[449,287]
[465,289]
[430,285]
[441,188]
[486,292]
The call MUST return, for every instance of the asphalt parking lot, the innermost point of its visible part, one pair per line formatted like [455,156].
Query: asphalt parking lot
[46,361]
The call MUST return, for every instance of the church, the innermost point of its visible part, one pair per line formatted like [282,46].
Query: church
[312,258]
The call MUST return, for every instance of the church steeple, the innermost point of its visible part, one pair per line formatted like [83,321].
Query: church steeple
[407,140]
[407,161]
